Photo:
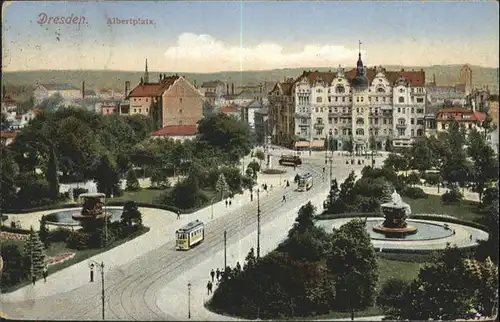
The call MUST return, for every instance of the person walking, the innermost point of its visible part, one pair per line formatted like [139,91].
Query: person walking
[251,196]
[226,203]
[33,279]
[212,274]
[92,272]
[230,202]
[178,214]
[208,288]
[284,199]
[217,274]
[45,274]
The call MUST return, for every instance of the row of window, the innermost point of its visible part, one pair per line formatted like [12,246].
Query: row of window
[361,132]
[340,89]
[304,100]
[191,234]
[360,121]
[359,110]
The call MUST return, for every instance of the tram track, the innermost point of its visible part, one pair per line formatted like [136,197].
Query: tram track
[133,296]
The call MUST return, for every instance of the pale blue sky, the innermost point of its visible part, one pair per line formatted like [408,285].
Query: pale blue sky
[410,33]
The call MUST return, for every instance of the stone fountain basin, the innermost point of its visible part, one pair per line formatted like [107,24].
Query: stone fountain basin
[65,217]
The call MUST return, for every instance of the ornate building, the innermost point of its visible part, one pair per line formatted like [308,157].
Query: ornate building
[352,106]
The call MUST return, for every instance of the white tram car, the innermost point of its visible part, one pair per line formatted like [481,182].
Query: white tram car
[190,235]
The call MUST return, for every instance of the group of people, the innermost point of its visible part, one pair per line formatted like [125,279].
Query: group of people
[217,274]
[229,202]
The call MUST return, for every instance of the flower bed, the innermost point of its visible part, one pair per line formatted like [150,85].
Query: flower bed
[59,258]
[5,235]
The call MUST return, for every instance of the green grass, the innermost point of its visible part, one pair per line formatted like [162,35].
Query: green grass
[146,195]
[387,269]
[80,255]
[466,210]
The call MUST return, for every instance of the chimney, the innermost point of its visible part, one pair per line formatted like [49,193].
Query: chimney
[402,70]
[227,89]
[83,90]
[232,88]
[127,88]
[160,77]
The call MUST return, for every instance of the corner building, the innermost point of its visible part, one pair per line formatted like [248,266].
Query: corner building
[355,105]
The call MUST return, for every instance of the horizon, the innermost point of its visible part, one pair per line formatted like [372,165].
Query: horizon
[213,37]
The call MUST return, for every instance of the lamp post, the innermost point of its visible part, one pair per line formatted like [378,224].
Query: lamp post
[258,223]
[189,300]
[225,249]
[331,157]
[105,224]
[212,206]
[101,268]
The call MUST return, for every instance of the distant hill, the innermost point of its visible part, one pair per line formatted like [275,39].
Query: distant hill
[22,82]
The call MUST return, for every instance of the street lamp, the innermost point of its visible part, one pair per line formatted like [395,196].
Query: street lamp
[101,268]
[189,300]
[212,206]
[258,223]
[225,249]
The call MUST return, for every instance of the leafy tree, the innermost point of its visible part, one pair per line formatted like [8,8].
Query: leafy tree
[304,220]
[185,195]
[131,214]
[255,167]
[106,176]
[345,196]
[5,124]
[34,192]
[159,178]
[8,173]
[422,156]
[349,145]
[392,298]
[221,185]
[132,181]
[259,154]
[455,166]
[250,260]
[52,103]
[396,162]
[485,168]
[352,261]
[14,268]
[34,249]
[52,174]
[490,247]
[141,125]
[226,134]
[311,245]
[333,195]
[43,233]
[388,145]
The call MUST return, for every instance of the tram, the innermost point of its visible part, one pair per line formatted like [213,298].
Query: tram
[305,182]
[190,235]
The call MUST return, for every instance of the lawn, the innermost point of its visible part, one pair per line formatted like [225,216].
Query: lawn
[466,210]
[80,255]
[146,195]
[387,269]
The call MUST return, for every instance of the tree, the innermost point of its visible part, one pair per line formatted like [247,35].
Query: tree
[250,259]
[255,167]
[106,176]
[388,145]
[396,162]
[422,157]
[159,178]
[311,245]
[34,249]
[221,185]
[132,182]
[259,154]
[185,194]
[373,143]
[352,261]
[131,214]
[5,124]
[392,298]
[455,166]
[142,126]
[52,174]
[304,220]
[333,195]
[485,162]
[14,268]
[51,103]
[349,145]
[490,247]
[43,233]
[8,173]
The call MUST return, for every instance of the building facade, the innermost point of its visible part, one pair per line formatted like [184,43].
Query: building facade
[68,92]
[470,119]
[281,113]
[355,106]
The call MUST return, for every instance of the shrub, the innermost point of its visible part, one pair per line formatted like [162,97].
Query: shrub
[454,195]
[132,182]
[34,193]
[413,178]
[273,171]
[59,235]
[431,178]
[79,191]
[415,193]
[78,240]
[14,269]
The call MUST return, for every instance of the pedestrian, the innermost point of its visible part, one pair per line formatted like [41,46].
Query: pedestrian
[284,198]
[226,203]
[33,279]
[91,272]
[470,236]
[178,214]
[45,274]
[212,274]
[230,202]
[288,183]
[323,169]
[238,266]
[217,274]
[251,196]
[208,288]
[294,167]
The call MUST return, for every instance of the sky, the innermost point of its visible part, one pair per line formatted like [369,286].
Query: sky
[204,37]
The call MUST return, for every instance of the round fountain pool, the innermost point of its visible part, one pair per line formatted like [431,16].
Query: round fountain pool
[425,230]
[64,217]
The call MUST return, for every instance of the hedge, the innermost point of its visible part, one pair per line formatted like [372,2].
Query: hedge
[326,216]
[15,230]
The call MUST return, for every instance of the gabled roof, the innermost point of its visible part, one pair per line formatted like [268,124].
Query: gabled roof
[58,87]
[229,109]
[8,100]
[177,130]
[212,83]
[255,104]
[153,89]
[457,113]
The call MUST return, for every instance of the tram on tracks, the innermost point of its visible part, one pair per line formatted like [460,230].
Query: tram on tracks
[190,235]
[305,182]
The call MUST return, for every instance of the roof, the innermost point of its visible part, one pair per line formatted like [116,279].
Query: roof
[255,104]
[7,135]
[89,93]
[8,100]
[210,94]
[153,89]
[457,114]
[59,87]
[19,116]
[177,130]
[192,225]
[35,111]
[263,111]
[212,83]
[229,109]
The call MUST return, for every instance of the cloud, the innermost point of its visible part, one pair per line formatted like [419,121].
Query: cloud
[215,55]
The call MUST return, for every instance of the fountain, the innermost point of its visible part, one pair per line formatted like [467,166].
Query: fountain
[395,212]
[92,209]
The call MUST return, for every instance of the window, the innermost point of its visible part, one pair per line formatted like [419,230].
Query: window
[369,99]
[357,110]
[376,99]
[336,99]
[360,132]
[319,99]
[420,100]
[357,99]
[401,121]
[420,122]
[322,110]
[420,111]
[401,90]
[404,110]
[343,99]
[180,111]
[401,132]
[412,121]
[362,98]
[319,90]
[443,126]
[146,100]
[316,109]
[330,120]
[385,131]
[412,132]
[470,126]
[147,110]
[319,132]
[180,100]
[401,99]
[399,109]
[135,110]
[350,99]
[340,89]
[376,121]
[385,121]
[412,110]
[329,99]
[420,132]
[336,132]
[380,89]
